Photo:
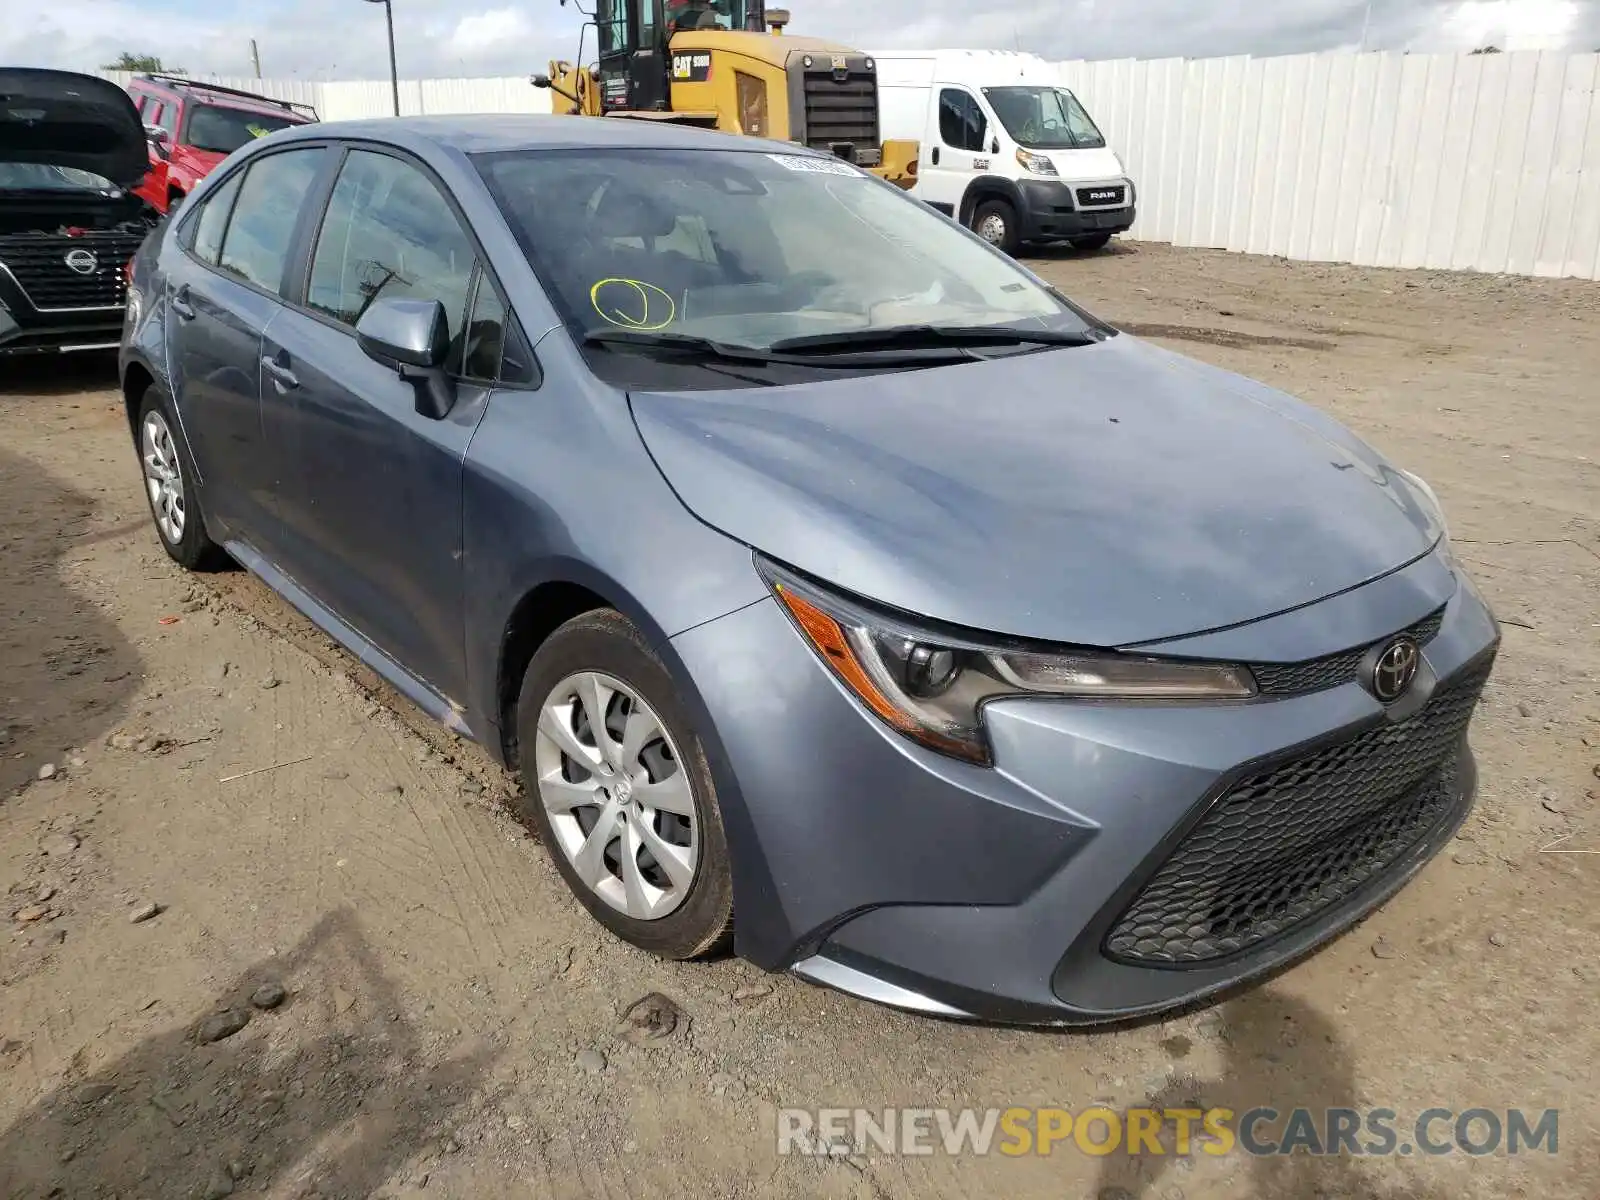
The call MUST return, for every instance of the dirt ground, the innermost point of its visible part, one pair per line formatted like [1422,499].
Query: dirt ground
[452,1017]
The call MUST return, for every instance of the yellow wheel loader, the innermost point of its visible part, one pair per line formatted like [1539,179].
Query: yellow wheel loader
[713,63]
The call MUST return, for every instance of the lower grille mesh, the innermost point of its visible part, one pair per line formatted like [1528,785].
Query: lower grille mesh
[1285,844]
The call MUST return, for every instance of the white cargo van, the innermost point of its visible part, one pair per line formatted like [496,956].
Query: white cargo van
[1006,150]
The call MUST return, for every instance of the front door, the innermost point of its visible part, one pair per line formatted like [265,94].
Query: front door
[955,150]
[371,489]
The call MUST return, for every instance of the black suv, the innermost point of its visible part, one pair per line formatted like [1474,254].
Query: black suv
[71,151]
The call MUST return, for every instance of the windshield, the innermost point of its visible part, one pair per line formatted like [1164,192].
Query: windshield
[1044,118]
[748,248]
[31,177]
[224,130]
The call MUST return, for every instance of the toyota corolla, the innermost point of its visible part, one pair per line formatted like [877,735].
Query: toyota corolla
[842,592]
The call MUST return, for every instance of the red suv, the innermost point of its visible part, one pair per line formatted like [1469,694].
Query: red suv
[192,126]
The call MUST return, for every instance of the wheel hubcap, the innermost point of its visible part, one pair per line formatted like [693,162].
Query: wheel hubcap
[163,477]
[619,802]
[992,229]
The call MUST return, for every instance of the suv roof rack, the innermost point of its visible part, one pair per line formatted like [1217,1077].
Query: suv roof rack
[202,85]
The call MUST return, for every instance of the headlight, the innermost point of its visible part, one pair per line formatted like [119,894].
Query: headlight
[1430,498]
[1038,164]
[931,686]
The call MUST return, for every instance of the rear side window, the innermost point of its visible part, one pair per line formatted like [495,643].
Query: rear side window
[388,232]
[256,246]
[212,220]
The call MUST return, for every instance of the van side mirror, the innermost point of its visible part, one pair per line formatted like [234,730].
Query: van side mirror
[413,337]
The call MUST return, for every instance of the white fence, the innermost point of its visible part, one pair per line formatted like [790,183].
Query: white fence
[1483,162]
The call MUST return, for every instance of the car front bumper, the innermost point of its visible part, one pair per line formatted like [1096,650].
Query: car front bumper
[1051,213]
[59,333]
[866,863]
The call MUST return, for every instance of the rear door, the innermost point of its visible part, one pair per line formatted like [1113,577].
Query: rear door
[957,148]
[222,292]
[371,490]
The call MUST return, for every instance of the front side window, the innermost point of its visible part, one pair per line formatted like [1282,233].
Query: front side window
[486,334]
[224,130]
[256,245]
[1044,118]
[212,219]
[166,116]
[962,125]
[616,30]
[749,248]
[389,233]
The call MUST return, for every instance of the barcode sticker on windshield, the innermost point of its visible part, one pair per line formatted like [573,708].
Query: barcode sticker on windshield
[814,165]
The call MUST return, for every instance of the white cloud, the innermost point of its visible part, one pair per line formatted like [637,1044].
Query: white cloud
[488,34]
[344,39]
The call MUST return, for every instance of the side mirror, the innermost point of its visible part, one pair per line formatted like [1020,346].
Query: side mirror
[159,140]
[413,337]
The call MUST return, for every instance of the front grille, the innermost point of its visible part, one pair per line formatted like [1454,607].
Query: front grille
[1287,843]
[1319,674]
[841,108]
[1099,197]
[38,262]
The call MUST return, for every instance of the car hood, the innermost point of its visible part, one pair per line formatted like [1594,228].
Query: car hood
[1091,163]
[1103,496]
[64,119]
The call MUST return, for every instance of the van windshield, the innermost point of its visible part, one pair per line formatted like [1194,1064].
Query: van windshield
[1044,118]
[749,248]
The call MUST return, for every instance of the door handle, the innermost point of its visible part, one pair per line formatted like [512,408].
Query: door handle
[934,157]
[281,375]
[180,303]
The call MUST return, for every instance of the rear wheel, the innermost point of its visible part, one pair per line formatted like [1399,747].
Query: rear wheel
[1095,241]
[616,784]
[169,487]
[995,221]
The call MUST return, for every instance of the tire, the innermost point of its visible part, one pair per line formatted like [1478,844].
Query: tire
[572,803]
[168,472]
[1095,241]
[995,221]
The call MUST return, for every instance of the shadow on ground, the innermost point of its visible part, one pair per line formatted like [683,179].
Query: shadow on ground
[65,667]
[58,374]
[326,1096]
[1278,1054]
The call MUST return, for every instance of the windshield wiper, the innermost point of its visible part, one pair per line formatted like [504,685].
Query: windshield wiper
[680,342]
[908,336]
[846,355]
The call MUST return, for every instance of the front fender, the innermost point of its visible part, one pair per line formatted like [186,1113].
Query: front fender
[984,187]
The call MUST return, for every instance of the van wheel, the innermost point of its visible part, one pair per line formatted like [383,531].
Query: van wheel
[995,222]
[1096,241]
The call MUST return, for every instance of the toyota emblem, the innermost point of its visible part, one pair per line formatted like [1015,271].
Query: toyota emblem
[1395,669]
[83,262]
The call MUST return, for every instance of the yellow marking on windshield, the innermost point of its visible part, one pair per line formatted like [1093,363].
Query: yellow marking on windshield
[633,307]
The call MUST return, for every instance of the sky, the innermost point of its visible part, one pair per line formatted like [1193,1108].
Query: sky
[344,39]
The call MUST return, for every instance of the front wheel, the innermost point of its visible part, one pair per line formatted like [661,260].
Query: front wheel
[995,221]
[615,783]
[169,487]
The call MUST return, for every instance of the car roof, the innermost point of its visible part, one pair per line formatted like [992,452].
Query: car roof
[198,89]
[487,133]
